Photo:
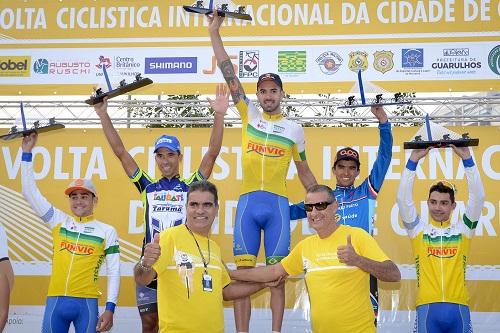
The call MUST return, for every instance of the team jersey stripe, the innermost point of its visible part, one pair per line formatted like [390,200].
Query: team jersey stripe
[471,225]
[444,239]
[63,232]
[252,131]
[112,249]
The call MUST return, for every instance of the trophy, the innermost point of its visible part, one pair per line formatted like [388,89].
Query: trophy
[123,88]
[379,100]
[434,135]
[38,127]
[222,10]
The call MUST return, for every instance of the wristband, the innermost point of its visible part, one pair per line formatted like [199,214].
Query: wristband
[110,306]
[142,266]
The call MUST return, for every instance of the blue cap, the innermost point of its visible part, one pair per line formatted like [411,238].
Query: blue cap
[169,142]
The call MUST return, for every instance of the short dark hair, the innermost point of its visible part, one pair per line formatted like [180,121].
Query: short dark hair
[442,188]
[322,188]
[204,186]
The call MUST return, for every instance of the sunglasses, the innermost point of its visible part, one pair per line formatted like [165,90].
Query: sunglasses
[317,205]
[446,184]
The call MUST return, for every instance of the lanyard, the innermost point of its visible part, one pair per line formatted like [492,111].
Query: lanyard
[205,263]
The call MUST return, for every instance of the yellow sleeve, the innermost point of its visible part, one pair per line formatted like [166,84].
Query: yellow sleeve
[242,108]
[292,263]
[367,246]
[225,277]
[167,247]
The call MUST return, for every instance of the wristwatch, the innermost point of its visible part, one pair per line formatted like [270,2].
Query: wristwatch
[143,267]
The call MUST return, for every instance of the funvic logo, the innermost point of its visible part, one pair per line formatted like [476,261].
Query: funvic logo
[494,59]
[412,58]
[292,61]
[41,66]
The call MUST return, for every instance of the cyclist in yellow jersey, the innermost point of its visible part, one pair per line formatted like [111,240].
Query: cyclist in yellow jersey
[269,142]
[441,248]
[80,245]
[337,263]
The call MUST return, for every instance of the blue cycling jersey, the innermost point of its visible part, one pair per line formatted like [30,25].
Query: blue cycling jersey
[164,200]
[357,204]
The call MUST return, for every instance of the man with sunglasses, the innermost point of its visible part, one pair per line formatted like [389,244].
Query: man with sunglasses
[357,203]
[337,263]
[440,247]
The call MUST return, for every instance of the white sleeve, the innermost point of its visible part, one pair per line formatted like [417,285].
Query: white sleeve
[476,193]
[112,252]
[406,205]
[4,250]
[48,213]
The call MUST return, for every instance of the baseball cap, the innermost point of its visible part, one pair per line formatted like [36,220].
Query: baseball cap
[169,142]
[270,77]
[347,153]
[81,184]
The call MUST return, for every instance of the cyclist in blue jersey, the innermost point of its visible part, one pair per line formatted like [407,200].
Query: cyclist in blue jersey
[164,200]
[357,203]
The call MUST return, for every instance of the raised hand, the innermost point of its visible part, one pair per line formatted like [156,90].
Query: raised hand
[463,152]
[152,252]
[346,253]
[215,21]
[379,112]
[221,102]
[102,107]
[29,141]
[417,154]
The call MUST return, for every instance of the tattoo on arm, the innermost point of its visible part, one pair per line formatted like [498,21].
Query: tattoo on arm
[233,83]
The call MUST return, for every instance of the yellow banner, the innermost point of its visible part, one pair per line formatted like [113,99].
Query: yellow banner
[72,153]
[88,19]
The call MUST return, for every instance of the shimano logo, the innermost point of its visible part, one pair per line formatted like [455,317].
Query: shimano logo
[171,65]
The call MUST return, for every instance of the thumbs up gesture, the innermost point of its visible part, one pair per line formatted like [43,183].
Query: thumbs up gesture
[152,252]
[346,253]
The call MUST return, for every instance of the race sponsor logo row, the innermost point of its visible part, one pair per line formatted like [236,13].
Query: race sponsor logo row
[447,61]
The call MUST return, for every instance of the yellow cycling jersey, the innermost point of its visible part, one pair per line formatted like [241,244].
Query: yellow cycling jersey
[441,252]
[80,248]
[441,249]
[268,144]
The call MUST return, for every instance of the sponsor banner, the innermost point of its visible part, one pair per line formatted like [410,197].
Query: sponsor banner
[113,21]
[307,68]
[84,153]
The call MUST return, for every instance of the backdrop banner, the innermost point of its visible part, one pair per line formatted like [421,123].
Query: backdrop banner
[73,153]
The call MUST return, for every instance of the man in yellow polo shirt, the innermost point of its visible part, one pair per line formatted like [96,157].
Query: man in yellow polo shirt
[192,280]
[337,263]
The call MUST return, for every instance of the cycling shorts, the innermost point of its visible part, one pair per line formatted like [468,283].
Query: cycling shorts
[61,311]
[256,211]
[146,299]
[443,318]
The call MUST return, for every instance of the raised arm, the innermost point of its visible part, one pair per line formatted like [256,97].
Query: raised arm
[305,174]
[219,105]
[474,183]
[223,60]
[406,205]
[114,140]
[31,193]
[383,161]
